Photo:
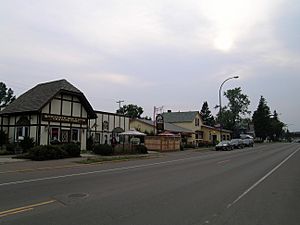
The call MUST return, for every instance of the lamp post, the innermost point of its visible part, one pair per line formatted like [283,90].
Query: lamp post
[220,102]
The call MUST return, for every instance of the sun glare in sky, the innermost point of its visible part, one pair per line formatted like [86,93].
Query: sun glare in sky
[231,19]
[224,42]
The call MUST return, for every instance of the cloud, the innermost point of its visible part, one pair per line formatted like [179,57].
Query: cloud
[119,80]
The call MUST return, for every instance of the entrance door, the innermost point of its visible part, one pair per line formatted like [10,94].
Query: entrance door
[214,137]
[65,136]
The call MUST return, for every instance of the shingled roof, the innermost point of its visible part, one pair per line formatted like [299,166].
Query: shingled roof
[36,98]
[173,117]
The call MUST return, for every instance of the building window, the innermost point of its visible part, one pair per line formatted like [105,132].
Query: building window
[97,137]
[54,134]
[105,125]
[75,135]
[22,132]
[197,122]
[65,135]
[105,139]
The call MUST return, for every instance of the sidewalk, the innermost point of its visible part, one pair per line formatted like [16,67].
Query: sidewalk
[23,165]
[9,164]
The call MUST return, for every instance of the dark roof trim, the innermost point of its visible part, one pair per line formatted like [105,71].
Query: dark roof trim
[110,113]
[216,128]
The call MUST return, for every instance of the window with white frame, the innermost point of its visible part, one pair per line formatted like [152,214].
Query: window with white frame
[22,132]
[54,134]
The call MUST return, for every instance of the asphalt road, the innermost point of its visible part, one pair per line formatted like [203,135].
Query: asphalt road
[259,185]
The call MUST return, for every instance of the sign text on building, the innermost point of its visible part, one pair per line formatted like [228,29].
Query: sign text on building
[64,119]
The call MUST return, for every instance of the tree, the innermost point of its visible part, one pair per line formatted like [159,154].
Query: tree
[227,120]
[207,117]
[132,111]
[238,102]
[261,119]
[232,113]
[6,95]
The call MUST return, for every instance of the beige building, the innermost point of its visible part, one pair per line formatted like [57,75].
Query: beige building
[142,125]
[192,121]
[212,134]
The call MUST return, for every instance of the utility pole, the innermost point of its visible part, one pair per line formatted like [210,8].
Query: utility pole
[120,103]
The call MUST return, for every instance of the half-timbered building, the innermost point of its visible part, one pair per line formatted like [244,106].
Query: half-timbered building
[58,112]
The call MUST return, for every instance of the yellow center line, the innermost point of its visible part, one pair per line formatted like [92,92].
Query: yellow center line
[25,208]
[15,212]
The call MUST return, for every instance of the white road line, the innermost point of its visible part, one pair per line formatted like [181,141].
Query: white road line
[224,161]
[262,179]
[97,171]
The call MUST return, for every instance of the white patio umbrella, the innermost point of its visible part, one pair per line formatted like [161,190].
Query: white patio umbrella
[132,132]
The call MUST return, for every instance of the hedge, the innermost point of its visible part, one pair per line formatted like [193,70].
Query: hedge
[48,152]
[104,149]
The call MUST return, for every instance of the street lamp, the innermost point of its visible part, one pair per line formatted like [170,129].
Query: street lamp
[220,102]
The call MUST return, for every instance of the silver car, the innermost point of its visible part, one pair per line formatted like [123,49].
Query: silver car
[237,143]
[224,145]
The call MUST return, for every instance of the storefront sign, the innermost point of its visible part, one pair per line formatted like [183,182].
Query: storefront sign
[160,123]
[63,119]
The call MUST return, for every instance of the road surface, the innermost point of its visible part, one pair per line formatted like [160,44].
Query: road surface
[259,185]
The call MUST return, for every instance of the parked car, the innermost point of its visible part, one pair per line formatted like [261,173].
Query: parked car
[237,143]
[224,145]
[248,142]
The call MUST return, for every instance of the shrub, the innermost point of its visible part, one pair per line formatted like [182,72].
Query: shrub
[4,152]
[27,143]
[128,150]
[189,146]
[3,138]
[46,152]
[90,143]
[103,149]
[72,149]
[11,147]
[141,149]
[205,144]
[181,146]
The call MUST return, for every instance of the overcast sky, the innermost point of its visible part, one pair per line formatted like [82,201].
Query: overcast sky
[156,52]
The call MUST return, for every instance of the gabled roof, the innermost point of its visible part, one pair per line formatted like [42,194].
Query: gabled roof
[174,117]
[173,128]
[36,98]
